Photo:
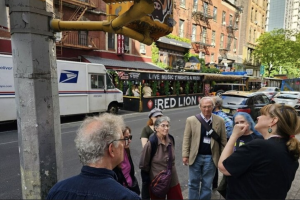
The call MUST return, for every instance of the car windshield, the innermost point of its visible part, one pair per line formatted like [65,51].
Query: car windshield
[266,89]
[234,100]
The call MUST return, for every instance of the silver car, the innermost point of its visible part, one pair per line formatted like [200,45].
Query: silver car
[270,92]
[291,98]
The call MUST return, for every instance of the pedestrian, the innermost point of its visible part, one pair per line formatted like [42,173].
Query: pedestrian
[146,132]
[228,125]
[154,163]
[264,169]
[201,148]
[147,91]
[249,135]
[125,170]
[149,128]
[100,145]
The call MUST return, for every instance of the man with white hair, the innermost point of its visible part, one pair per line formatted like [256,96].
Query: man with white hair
[100,145]
[200,150]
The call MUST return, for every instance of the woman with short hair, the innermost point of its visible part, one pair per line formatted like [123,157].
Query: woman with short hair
[159,162]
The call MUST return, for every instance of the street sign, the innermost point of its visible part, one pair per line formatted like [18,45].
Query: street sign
[262,70]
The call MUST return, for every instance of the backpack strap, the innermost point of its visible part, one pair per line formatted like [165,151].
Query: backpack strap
[154,143]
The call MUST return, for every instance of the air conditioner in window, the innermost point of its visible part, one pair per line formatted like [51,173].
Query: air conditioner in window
[224,23]
[126,48]
[255,22]
[58,36]
[213,44]
[234,50]
[142,50]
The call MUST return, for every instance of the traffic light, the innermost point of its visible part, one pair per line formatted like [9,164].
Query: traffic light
[143,20]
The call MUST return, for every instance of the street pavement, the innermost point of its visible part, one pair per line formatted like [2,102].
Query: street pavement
[10,180]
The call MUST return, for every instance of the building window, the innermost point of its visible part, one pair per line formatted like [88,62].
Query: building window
[204,35]
[83,38]
[215,13]
[250,32]
[255,16]
[181,28]
[205,7]
[126,45]
[251,15]
[223,18]
[212,58]
[182,3]
[111,41]
[213,38]
[254,36]
[142,48]
[230,20]
[222,41]
[234,45]
[195,8]
[194,29]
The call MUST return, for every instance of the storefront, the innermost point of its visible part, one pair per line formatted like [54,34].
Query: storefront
[169,90]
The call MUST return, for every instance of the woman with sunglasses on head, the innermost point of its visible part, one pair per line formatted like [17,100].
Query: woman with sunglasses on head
[125,170]
[153,164]
[264,169]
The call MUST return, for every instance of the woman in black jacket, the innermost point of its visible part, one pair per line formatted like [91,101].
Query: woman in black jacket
[125,170]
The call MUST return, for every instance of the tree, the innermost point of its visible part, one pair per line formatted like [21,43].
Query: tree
[276,48]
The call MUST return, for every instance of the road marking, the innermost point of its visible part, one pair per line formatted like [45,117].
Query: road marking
[8,142]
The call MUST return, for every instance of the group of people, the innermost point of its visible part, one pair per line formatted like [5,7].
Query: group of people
[258,161]
[147,91]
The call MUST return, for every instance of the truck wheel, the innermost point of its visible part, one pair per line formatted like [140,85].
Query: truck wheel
[113,109]
[219,93]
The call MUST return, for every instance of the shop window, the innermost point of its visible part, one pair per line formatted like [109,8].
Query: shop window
[83,38]
[111,41]
[126,44]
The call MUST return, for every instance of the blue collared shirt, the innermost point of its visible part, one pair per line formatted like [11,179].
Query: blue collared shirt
[91,183]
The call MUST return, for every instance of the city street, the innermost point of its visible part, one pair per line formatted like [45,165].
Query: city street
[10,180]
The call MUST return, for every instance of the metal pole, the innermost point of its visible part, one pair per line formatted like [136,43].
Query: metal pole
[36,89]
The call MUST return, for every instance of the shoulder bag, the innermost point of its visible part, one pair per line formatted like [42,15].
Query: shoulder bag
[160,185]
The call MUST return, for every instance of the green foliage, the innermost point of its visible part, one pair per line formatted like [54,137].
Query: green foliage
[166,87]
[205,69]
[154,88]
[195,87]
[121,85]
[177,88]
[187,56]
[187,87]
[277,48]
[155,53]
[129,88]
[171,36]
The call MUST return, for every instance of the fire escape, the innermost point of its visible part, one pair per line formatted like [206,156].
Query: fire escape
[201,17]
[231,28]
[74,39]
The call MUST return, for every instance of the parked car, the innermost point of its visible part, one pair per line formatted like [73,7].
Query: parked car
[269,91]
[291,98]
[220,88]
[236,101]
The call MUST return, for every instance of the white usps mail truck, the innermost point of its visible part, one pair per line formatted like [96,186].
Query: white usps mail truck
[83,88]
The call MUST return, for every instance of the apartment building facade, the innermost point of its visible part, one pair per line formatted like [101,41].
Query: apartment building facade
[92,46]
[292,15]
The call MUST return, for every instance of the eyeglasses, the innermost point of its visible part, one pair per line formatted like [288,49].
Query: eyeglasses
[165,126]
[128,137]
[158,116]
[126,141]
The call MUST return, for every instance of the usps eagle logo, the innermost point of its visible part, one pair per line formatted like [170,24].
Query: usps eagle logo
[162,8]
[68,76]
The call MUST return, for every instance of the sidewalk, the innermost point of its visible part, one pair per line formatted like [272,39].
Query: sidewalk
[294,192]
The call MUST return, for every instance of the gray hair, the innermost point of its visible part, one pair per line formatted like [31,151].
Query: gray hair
[159,120]
[94,135]
[218,101]
[207,98]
